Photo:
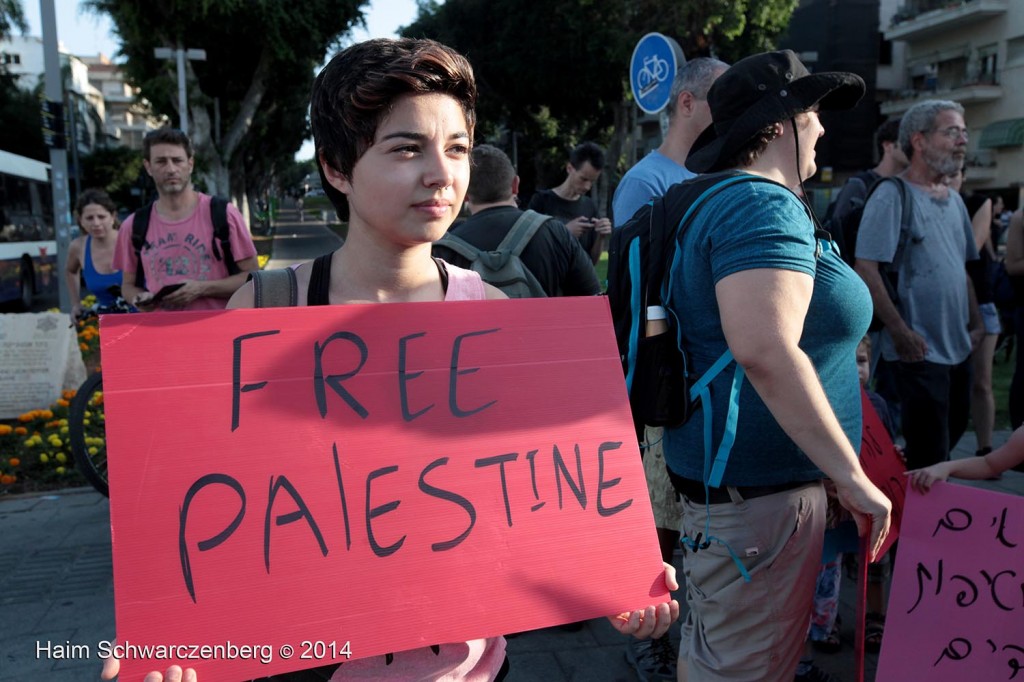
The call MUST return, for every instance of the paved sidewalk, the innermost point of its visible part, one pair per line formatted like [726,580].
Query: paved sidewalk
[56,587]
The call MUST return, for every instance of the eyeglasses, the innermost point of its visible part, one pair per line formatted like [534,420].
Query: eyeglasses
[953,133]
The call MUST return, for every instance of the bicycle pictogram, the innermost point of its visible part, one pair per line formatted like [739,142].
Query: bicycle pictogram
[653,72]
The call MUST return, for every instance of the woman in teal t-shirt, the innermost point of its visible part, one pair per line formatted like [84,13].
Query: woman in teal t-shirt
[755,278]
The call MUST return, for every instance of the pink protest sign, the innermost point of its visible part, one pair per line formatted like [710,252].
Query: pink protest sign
[956,611]
[294,487]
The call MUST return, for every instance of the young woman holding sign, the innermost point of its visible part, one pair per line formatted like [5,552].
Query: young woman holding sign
[393,125]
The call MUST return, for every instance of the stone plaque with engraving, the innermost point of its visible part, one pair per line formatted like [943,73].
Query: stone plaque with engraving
[39,356]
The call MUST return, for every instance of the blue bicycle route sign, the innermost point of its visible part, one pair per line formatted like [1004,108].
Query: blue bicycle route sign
[656,58]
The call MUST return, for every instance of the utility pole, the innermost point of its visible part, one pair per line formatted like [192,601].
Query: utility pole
[53,124]
[180,54]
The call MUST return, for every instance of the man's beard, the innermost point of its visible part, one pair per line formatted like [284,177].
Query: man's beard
[943,164]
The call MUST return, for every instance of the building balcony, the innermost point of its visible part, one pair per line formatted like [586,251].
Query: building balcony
[926,18]
[966,94]
[981,166]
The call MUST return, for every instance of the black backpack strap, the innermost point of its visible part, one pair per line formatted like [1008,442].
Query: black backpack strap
[140,225]
[319,289]
[906,215]
[222,234]
[275,288]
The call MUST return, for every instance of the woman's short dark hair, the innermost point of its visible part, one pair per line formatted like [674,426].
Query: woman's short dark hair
[98,197]
[358,88]
[752,149]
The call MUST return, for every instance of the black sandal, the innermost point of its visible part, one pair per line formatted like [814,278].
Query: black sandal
[874,628]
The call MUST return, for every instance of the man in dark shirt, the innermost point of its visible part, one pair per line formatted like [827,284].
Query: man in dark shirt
[557,260]
[569,201]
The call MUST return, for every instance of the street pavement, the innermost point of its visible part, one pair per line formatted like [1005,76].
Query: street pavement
[295,241]
[56,587]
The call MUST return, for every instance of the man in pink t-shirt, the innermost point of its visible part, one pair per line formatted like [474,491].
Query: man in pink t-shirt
[179,248]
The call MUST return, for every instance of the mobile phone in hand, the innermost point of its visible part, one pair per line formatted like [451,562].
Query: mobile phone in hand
[164,291]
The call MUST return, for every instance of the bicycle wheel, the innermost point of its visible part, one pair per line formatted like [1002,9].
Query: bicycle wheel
[643,79]
[87,430]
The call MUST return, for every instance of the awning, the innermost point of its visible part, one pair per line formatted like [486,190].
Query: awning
[1008,133]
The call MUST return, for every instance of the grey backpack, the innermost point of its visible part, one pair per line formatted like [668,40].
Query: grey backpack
[502,267]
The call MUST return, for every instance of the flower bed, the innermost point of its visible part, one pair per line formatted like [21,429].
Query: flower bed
[35,452]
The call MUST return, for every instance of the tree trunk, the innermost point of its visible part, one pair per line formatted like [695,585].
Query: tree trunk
[217,175]
[621,144]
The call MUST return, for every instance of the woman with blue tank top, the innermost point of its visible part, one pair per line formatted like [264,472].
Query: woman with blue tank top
[91,255]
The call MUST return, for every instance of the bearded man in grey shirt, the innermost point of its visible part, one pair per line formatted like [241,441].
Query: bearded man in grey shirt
[926,332]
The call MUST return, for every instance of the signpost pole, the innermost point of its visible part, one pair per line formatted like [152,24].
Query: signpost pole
[53,132]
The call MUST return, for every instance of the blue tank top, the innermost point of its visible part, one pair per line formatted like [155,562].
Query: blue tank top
[98,283]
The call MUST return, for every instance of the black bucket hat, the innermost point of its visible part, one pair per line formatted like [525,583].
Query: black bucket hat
[758,91]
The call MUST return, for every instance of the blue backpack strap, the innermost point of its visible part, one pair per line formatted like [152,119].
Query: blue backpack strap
[634,304]
[639,299]
[714,469]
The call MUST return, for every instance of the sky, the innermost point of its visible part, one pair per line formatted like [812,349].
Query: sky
[86,34]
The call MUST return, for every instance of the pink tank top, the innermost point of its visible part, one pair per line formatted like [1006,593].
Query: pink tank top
[478,660]
[464,285]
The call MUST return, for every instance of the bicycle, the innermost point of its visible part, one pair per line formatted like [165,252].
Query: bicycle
[87,432]
[86,416]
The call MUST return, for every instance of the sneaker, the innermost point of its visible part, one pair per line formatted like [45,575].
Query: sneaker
[815,674]
[654,660]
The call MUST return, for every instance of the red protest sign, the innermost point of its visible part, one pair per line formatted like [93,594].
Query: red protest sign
[384,477]
[883,465]
[955,612]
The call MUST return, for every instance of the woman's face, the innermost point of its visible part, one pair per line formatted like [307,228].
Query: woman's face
[408,187]
[96,220]
[809,131]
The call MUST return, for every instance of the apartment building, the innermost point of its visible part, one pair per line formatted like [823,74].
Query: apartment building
[970,51]
[22,56]
[108,109]
[128,117]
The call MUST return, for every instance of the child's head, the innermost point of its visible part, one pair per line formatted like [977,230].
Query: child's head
[355,92]
[864,360]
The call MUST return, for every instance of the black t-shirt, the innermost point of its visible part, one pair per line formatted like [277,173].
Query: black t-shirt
[547,202]
[557,260]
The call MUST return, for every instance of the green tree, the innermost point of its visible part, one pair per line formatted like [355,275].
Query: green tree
[19,110]
[551,77]
[260,61]
[119,171]
[11,17]
[21,132]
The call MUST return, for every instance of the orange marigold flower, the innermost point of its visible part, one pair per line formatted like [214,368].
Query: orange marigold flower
[62,402]
[68,393]
[5,429]
[14,461]
[20,431]
[45,414]
[7,479]
[83,346]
